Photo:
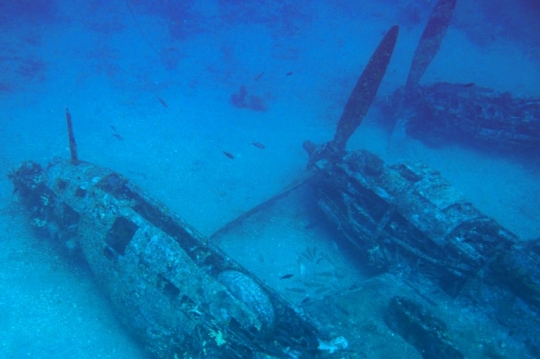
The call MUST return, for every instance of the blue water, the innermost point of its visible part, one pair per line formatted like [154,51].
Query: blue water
[151,85]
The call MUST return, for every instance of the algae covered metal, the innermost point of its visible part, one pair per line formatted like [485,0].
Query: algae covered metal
[470,114]
[407,220]
[408,213]
[180,295]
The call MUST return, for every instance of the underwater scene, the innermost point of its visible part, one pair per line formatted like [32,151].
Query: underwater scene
[270,179]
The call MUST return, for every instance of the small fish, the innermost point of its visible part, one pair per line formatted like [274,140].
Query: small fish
[305,300]
[228,155]
[257,78]
[116,134]
[288,73]
[286,276]
[162,102]
[258,145]
[470,84]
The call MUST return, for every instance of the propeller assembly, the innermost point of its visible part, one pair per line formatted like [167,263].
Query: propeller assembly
[368,84]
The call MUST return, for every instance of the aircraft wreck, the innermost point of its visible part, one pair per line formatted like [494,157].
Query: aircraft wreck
[183,297]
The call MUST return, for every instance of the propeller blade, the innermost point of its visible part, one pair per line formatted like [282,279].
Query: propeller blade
[431,40]
[365,90]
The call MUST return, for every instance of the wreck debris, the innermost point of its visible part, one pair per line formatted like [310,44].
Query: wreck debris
[464,113]
[470,115]
[409,212]
[183,297]
[406,219]
[421,328]
[177,293]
